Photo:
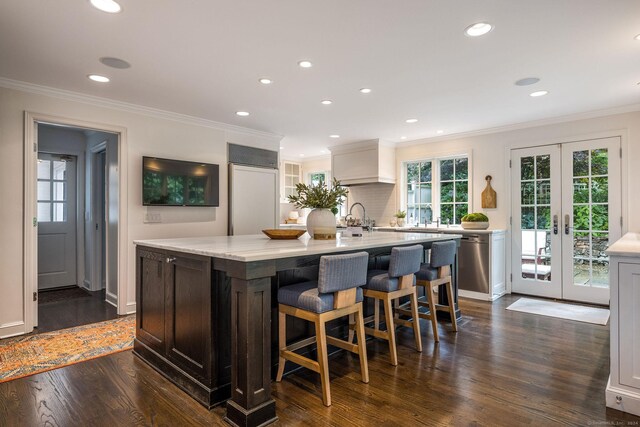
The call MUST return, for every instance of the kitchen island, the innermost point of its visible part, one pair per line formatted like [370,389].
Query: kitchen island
[206,307]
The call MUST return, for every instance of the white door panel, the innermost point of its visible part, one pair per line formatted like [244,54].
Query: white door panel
[56,221]
[253,194]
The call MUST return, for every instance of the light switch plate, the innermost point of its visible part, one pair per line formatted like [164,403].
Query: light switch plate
[152,217]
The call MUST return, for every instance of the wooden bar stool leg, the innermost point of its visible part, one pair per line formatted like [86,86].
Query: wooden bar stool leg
[323,361]
[362,346]
[391,331]
[452,311]
[376,314]
[432,311]
[282,343]
[416,319]
[352,326]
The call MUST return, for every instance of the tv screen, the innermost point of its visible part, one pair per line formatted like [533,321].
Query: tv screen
[178,183]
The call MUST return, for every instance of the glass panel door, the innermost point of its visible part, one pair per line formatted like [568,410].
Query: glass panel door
[535,213]
[592,211]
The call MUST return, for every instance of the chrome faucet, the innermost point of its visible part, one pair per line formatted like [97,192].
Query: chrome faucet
[364,213]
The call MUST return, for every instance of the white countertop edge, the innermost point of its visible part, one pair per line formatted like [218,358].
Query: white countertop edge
[627,246]
[440,230]
[259,247]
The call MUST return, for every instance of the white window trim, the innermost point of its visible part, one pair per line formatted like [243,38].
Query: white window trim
[325,172]
[435,179]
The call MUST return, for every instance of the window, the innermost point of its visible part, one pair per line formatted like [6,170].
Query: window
[52,189]
[437,188]
[316,178]
[291,179]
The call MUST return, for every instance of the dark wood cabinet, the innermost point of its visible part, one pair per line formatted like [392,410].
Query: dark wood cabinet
[176,331]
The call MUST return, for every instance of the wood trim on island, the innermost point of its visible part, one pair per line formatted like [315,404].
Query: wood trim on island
[205,322]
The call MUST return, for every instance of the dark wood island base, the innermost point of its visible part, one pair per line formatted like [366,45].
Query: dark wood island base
[205,314]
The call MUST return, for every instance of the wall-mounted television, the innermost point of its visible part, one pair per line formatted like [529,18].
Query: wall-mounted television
[178,183]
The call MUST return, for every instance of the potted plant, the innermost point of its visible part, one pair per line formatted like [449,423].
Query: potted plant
[400,215]
[475,221]
[321,221]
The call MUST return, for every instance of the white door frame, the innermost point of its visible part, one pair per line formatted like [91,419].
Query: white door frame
[95,245]
[30,268]
[623,134]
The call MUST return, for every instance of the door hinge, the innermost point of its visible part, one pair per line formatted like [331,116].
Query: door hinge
[511,277]
[35,221]
[510,220]
[509,163]
[620,221]
[35,296]
[620,152]
[35,147]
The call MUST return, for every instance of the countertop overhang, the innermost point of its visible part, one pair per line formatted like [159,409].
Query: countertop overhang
[628,245]
[259,247]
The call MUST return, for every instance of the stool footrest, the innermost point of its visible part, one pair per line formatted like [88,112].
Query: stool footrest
[300,360]
[353,348]
[377,333]
[303,343]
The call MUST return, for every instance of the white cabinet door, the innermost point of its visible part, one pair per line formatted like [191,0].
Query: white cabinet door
[629,324]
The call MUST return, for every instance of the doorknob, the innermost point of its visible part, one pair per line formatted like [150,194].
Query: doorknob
[555,224]
[566,224]
[170,259]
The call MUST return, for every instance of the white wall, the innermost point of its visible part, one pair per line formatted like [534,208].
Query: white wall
[148,133]
[490,156]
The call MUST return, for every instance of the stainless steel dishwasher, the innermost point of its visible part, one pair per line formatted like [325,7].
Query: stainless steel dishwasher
[473,263]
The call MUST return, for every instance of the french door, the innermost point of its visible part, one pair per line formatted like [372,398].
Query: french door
[566,210]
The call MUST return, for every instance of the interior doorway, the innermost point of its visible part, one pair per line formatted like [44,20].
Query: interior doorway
[73,226]
[566,210]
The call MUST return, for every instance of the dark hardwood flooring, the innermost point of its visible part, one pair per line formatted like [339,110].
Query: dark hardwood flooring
[503,368]
[65,312]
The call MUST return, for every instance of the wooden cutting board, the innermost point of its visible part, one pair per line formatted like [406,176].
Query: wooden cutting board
[489,195]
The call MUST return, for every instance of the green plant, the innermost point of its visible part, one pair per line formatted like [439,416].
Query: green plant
[319,196]
[400,214]
[475,217]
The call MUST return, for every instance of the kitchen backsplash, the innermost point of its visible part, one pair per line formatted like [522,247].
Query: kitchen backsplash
[378,199]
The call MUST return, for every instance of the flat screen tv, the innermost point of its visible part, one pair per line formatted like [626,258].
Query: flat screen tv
[178,183]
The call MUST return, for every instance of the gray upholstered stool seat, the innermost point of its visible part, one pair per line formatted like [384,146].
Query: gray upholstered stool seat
[379,280]
[336,294]
[307,297]
[437,272]
[388,286]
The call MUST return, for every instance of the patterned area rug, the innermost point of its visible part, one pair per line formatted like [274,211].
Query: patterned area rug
[24,356]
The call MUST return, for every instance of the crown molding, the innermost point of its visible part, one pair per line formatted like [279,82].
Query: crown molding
[526,125]
[131,108]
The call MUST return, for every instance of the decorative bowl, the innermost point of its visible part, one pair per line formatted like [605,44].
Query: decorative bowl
[281,234]
[475,225]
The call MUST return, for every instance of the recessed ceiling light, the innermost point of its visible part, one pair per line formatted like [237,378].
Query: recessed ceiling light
[305,64]
[439,131]
[282,148]
[527,81]
[478,29]
[411,120]
[637,37]
[326,102]
[108,6]
[265,81]
[242,113]
[334,136]
[301,155]
[322,151]
[538,93]
[98,78]
[365,90]
[115,62]
[403,137]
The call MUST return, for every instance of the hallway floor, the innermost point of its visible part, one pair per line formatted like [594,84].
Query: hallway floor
[65,308]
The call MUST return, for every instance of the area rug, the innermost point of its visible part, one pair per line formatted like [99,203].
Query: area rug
[24,356]
[581,313]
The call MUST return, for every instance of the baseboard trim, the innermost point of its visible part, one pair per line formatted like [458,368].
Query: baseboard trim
[622,400]
[131,308]
[112,299]
[12,329]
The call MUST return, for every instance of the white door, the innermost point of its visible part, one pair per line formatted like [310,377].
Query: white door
[56,221]
[253,192]
[566,210]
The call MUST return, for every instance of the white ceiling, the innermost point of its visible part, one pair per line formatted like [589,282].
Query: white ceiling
[204,57]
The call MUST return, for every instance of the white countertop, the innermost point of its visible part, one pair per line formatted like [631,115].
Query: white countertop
[627,245]
[449,230]
[259,247]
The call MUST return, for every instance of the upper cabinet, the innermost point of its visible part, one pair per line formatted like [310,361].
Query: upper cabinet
[291,174]
[364,162]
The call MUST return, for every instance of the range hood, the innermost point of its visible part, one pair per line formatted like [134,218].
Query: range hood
[364,162]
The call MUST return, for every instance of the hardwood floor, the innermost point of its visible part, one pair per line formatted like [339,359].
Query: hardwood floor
[62,313]
[502,368]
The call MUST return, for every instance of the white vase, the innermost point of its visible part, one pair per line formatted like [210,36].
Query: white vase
[321,221]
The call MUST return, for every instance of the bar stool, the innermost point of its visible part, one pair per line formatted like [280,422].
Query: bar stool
[337,293]
[387,286]
[438,272]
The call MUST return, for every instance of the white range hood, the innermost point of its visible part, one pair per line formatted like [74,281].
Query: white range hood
[364,162]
